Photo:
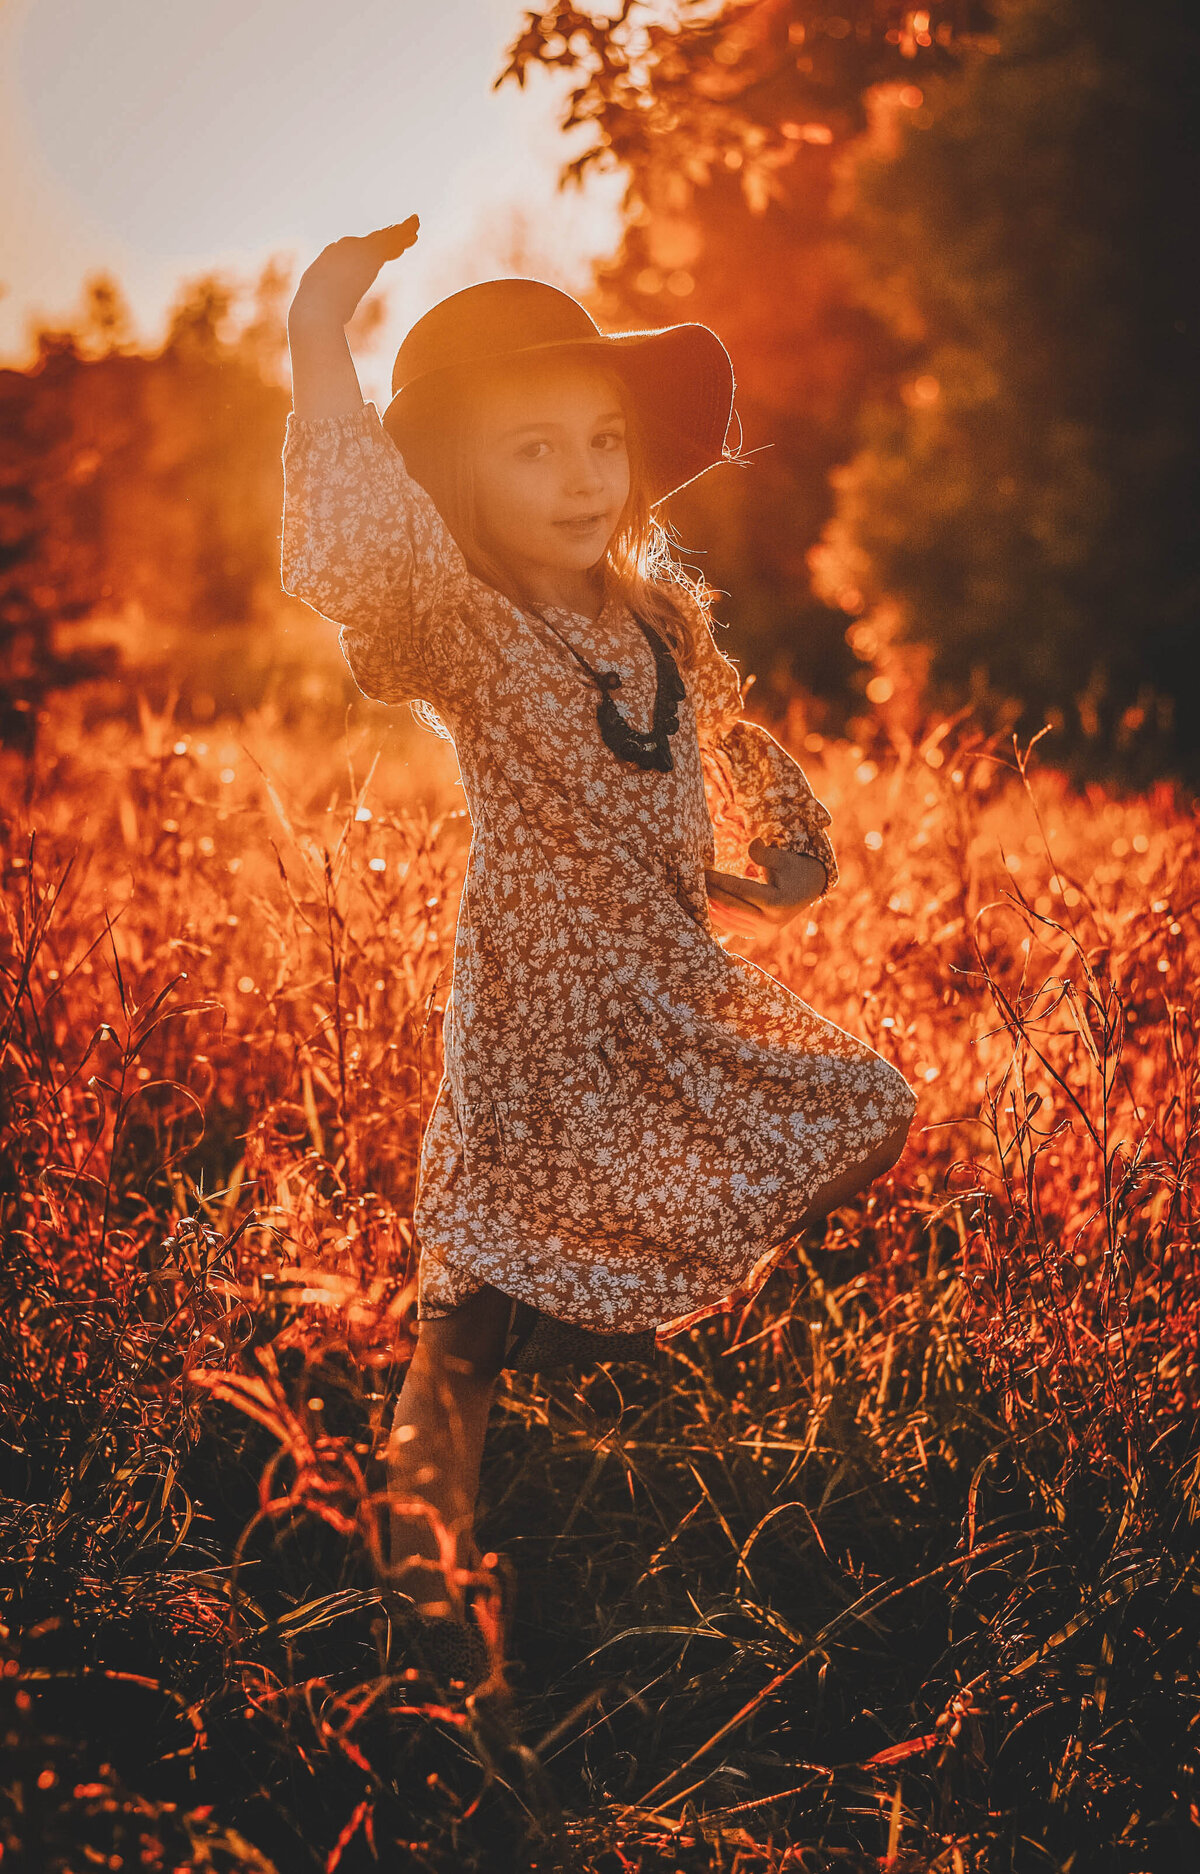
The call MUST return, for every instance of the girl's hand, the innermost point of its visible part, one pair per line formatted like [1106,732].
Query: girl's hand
[747,909]
[324,381]
[342,272]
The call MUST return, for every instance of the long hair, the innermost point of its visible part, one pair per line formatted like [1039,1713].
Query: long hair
[638,566]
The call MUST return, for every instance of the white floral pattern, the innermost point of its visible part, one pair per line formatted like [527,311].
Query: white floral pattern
[631,1117]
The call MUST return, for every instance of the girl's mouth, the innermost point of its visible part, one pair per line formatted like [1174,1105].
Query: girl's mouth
[581,523]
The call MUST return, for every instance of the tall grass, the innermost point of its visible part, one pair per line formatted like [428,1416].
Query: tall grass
[893,1566]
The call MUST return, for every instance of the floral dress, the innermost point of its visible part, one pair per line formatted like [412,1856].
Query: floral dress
[631,1118]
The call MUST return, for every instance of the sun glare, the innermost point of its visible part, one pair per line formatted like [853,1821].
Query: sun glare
[222,137]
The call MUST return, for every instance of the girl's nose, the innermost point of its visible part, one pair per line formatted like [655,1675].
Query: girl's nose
[583,474]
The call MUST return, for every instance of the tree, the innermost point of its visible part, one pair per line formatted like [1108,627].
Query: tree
[139,483]
[44,575]
[1027,507]
[728,123]
[952,245]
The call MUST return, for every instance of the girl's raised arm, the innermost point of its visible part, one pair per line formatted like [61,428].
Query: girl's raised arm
[324,381]
[362,542]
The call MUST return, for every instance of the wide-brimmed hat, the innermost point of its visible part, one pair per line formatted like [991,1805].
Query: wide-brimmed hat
[680,376]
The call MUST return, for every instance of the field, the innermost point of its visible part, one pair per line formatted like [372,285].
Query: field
[892,1567]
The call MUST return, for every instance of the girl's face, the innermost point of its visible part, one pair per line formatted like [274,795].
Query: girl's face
[550,468]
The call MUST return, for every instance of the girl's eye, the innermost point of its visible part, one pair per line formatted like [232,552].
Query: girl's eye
[532,450]
[611,439]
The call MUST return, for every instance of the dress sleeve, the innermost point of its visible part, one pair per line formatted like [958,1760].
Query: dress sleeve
[364,545]
[755,788]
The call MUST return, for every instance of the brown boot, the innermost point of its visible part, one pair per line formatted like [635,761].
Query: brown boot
[450,1656]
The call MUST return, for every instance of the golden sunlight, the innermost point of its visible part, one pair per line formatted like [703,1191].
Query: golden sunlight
[175,140]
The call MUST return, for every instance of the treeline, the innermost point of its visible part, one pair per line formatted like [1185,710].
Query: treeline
[950,250]
[142,486]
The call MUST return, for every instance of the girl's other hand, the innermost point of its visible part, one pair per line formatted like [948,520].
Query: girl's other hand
[333,285]
[746,908]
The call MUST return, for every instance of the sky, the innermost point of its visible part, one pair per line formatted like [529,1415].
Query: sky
[156,140]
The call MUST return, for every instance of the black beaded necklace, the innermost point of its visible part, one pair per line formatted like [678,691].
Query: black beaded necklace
[646,748]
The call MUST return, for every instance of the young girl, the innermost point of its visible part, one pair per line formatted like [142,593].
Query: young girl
[632,1119]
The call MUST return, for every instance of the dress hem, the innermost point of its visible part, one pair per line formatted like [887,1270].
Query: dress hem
[759,1264]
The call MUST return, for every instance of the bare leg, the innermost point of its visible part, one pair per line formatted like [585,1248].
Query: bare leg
[436,1445]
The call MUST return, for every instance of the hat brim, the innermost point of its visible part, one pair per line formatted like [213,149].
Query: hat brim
[681,378]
